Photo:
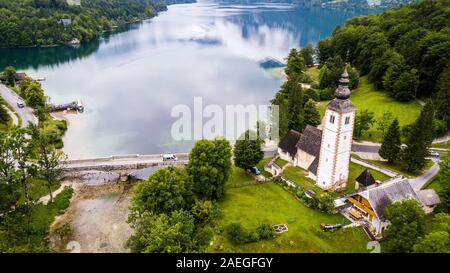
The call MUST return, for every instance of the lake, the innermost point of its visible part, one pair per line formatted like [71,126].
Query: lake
[130,80]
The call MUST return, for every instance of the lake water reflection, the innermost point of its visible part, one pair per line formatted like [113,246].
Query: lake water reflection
[130,80]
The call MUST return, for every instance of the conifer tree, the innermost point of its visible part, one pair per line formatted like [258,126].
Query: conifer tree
[391,146]
[312,116]
[295,105]
[418,140]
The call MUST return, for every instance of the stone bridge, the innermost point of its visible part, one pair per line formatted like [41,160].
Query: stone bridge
[123,165]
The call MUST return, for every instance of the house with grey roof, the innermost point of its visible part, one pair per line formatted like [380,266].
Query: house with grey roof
[369,205]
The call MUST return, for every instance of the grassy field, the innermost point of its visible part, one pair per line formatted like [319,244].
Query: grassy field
[280,162]
[298,175]
[313,73]
[396,168]
[239,177]
[252,205]
[366,97]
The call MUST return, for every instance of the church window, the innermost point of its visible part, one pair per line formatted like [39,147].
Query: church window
[332,119]
[347,120]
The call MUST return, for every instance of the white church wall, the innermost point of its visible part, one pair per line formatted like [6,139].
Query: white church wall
[285,156]
[304,159]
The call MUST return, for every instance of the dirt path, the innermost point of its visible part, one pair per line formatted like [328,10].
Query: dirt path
[96,220]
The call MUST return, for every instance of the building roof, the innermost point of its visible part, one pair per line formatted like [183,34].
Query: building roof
[428,197]
[314,166]
[365,178]
[310,141]
[341,102]
[388,193]
[289,142]
[341,106]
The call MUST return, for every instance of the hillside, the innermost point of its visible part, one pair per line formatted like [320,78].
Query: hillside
[55,22]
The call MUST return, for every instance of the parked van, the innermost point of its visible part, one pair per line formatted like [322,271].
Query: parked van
[170,157]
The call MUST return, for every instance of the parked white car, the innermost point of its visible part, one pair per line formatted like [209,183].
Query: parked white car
[20,104]
[170,157]
[434,153]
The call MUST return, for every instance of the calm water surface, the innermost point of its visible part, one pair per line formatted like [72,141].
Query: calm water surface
[130,80]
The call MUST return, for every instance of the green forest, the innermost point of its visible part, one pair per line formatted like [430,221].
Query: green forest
[55,22]
[404,51]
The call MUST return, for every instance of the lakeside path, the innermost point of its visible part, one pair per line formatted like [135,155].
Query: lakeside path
[26,113]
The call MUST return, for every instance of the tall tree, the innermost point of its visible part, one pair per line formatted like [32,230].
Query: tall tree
[405,86]
[434,242]
[384,122]
[364,120]
[49,161]
[34,95]
[444,179]
[391,146]
[164,233]
[308,55]
[312,116]
[442,100]
[210,167]
[10,75]
[295,105]
[295,64]
[247,150]
[166,190]
[407,224]
[9,184]
[419,140]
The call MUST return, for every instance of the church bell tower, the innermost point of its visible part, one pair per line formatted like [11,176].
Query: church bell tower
[337,133]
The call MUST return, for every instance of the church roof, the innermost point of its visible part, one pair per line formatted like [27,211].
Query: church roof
[314,166]
[341,102]
[310,141]
[341,106]
[289,142]
[382,196]
[365,178]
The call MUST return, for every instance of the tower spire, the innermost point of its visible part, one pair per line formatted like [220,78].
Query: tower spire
[342,92]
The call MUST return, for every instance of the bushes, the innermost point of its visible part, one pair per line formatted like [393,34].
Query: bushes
[237,234]
[311,94]
[322,202]
[327,94]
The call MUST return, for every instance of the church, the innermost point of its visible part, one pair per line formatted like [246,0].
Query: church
[325,152]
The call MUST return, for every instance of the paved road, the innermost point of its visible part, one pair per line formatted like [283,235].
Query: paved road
[364,148]
[418,182]
[26,113]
